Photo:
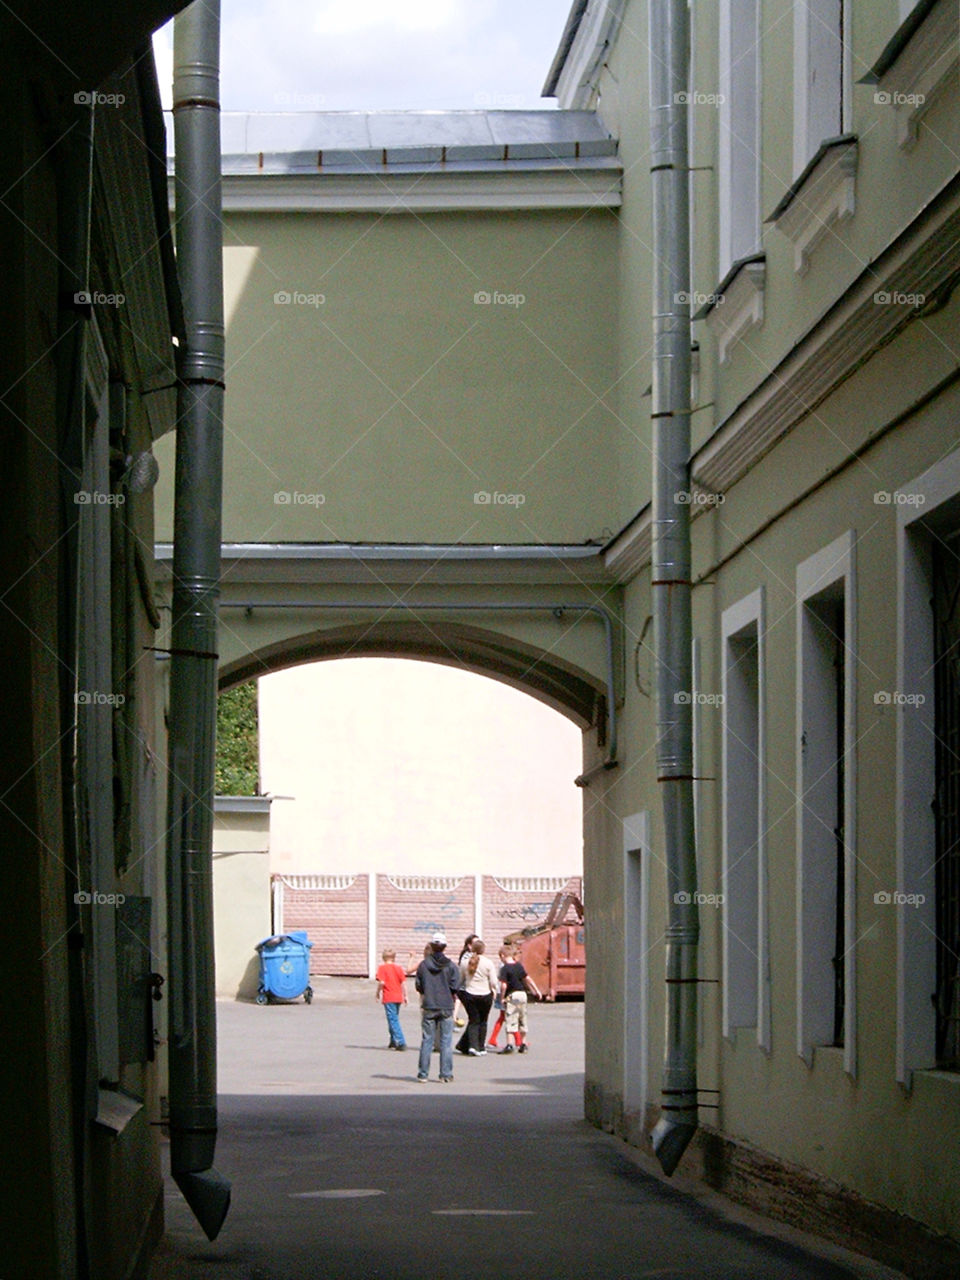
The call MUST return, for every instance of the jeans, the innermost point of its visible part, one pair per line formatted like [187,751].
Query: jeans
[393,1024]
[430,1019]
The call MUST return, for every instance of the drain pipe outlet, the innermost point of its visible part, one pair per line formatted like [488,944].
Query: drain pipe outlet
[671,588]
[196,569]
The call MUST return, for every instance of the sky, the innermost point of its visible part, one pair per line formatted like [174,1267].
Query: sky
[368,55]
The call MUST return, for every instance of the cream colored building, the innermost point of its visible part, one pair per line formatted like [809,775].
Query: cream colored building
[386,389]
[415,768]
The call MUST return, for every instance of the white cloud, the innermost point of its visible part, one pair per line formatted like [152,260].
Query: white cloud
[335,17]
[405,54]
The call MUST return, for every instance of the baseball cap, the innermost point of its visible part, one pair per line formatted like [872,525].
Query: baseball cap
[439,939]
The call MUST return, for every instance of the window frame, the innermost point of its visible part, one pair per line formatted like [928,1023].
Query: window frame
[737,621]
[834,564]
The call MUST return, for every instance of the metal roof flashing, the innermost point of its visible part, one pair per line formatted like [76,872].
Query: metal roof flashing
[393,161]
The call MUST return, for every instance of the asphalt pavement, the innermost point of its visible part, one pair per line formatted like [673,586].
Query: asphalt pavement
[345,1168]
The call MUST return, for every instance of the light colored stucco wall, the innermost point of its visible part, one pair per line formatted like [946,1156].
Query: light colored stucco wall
[415,768]
[864,1131]
[396,399]
[241,893]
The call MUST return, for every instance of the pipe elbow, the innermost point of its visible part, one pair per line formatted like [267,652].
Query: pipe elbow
[208,1195]
[670,1138]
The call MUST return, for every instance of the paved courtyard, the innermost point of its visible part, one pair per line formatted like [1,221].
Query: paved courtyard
[343,1166]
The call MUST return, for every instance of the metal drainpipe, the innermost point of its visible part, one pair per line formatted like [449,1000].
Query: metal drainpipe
[671,589]
[196,569]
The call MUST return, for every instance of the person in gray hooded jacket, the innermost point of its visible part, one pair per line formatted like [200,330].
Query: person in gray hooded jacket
[437,980]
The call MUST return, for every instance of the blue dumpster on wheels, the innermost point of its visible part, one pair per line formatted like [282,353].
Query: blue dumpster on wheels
[285,967]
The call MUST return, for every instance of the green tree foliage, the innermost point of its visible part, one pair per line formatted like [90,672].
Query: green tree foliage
[238,745]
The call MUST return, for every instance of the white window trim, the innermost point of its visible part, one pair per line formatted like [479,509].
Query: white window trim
[805,148]
[725,139]
[916,830]
[636,969]
[833,563]
[734,620]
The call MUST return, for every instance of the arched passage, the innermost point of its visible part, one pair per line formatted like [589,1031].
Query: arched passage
[575,692]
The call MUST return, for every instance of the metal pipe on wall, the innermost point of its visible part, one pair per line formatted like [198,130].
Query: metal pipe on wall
[196,571]
[671,589]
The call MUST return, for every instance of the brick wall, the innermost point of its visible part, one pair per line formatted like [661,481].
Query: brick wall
[335,919]
[411,908]
[514,903]
[334,912]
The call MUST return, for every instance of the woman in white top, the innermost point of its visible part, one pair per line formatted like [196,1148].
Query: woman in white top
[478,976]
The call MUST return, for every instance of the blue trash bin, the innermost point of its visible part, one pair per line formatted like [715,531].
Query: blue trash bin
[285,967]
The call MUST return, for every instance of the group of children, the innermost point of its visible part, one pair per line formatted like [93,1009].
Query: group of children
[511,1000]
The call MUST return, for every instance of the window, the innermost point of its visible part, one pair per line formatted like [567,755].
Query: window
[826,889]
[928,779]
[95,703]
[636,895]
[739,131]
[946,793]
[822,75]
[745,957]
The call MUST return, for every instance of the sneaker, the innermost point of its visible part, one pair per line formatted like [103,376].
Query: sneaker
[421,1079]
[472,1053]
[492,1044]
[522,1049]
[481,1053]
[507,1048]
[399,1047]
[446,1079]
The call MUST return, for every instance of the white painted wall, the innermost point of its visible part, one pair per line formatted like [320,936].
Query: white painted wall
[412,767]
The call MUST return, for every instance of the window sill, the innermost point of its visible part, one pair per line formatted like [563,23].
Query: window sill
[916,65]
[823,194]
[737,304]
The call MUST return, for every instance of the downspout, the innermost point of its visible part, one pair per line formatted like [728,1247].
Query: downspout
[671,588]
[196,569]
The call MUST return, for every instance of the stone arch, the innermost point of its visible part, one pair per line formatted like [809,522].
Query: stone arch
[572,691]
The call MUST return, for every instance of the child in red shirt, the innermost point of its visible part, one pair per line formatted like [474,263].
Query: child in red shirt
[392,992]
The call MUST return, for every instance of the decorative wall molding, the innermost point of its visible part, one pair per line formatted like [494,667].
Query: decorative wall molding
[738,304]
[824,193]
[916,65]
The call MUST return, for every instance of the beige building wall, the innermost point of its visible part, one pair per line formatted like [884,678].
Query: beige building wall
[241,891]
[409,767]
